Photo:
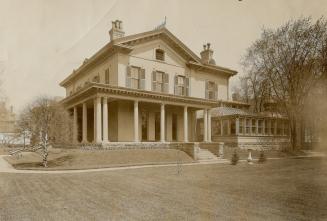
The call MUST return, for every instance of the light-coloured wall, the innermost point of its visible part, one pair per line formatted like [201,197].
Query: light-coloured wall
[144,56]
[125,121]
[110,63]
[198,79]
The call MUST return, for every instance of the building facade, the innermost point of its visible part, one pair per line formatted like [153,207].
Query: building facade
[145,87]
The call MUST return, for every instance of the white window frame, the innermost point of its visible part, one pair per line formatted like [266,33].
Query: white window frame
[140,78]
[182,89]
[211,90]
[163,82]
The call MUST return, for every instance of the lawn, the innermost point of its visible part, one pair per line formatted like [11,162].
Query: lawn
[287,189]
[4,150]
[60,159]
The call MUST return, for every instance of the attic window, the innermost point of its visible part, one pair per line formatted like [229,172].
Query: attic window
[160,55]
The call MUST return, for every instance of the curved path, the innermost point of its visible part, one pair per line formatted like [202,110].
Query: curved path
[5,167]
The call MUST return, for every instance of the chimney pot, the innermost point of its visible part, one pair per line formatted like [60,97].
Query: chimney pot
[207,55]
[117,30]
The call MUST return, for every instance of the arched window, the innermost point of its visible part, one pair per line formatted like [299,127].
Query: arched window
[160,54]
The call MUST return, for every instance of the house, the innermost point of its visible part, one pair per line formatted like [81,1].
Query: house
[145,87]
[8,133]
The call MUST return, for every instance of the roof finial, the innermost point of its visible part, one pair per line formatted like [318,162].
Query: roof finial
[162,25]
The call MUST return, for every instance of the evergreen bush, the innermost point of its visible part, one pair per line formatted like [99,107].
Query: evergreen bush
[235,158]
[262,157]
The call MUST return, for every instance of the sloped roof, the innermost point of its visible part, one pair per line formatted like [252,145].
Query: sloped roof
[230,111]
[227,111]
[126,44]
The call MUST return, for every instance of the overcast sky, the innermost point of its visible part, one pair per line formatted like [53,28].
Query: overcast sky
[41,41]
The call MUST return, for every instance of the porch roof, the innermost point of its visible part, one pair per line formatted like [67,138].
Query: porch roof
[223,112]
[96,89]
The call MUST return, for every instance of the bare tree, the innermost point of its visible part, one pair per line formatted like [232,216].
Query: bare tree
[46,122]
[290,61]
[254,90]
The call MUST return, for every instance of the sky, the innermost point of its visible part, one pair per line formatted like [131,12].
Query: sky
[42,41]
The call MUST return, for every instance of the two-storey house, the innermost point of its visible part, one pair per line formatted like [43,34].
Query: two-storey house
[144,87]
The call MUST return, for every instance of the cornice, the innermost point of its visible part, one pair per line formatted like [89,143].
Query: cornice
[105,52]
[96,88]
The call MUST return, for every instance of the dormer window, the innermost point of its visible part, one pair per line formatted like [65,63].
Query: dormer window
[160,54]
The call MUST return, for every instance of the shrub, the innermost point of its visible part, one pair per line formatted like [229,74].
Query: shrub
[235,158]
[262,157]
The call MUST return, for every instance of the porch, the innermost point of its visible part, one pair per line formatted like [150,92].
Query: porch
[105,114]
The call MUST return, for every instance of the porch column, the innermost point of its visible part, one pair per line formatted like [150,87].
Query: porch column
[84,140]
[162,123]
[136,121]
[97,120]
[185,125]
[105,119]
[237,126]
[251,126]
[75,126]
[229,126]
[205,125]
[209,126]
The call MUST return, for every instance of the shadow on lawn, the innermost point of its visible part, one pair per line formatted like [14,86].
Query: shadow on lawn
[51,163]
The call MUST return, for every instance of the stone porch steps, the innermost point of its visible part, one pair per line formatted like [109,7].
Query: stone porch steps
[206,155]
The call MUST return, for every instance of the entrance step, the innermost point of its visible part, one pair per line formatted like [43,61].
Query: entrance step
[205,155]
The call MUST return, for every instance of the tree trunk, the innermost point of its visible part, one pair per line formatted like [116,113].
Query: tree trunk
[45,152]
[293,134]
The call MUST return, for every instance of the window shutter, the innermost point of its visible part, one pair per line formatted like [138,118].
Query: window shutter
[106,76]
[187,86]
[207,90]
[176,85]
[128,76]
[166,83]
[153,80]
[142,79]
[216,91]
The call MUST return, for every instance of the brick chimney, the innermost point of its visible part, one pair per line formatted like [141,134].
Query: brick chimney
[207,55]
[117,30]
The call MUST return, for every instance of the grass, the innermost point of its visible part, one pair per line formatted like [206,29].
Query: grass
[4,150]
[61,159]
[287,189]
